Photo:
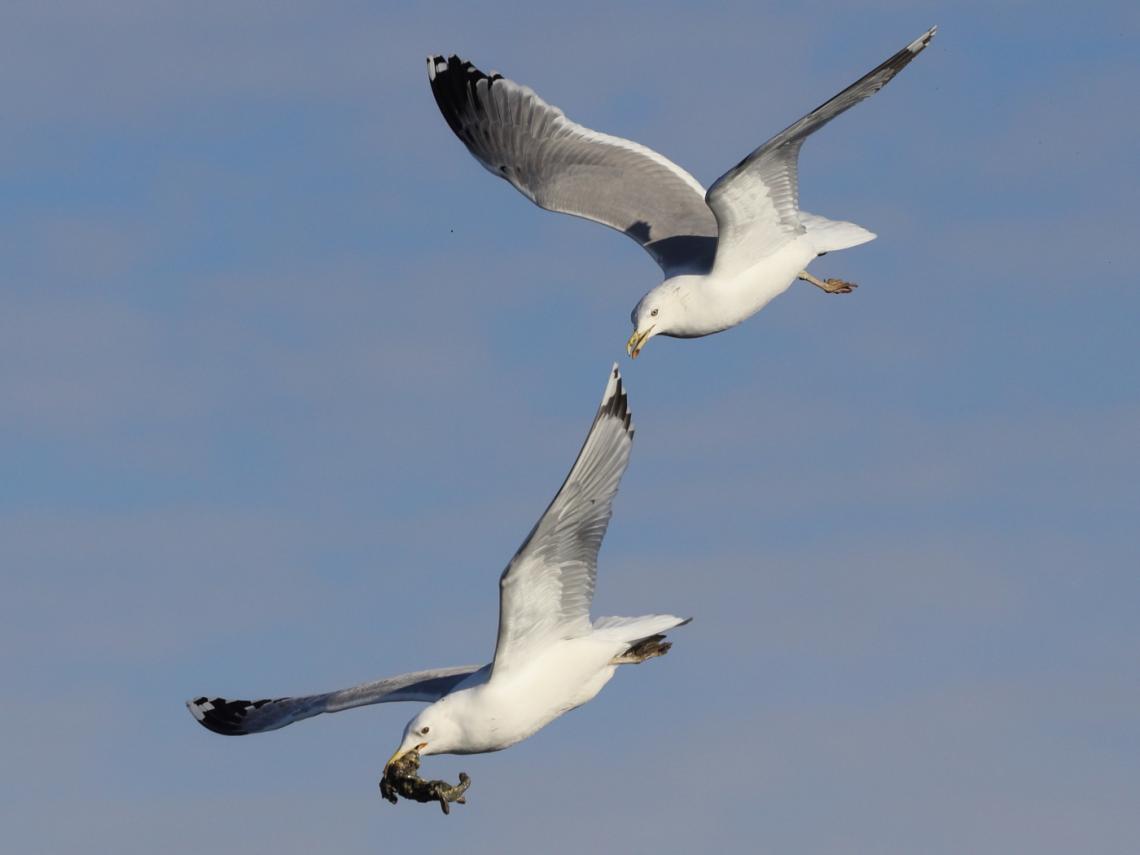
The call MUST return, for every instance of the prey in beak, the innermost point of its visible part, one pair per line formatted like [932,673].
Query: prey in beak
[401,778]
[637,341]
[400,753]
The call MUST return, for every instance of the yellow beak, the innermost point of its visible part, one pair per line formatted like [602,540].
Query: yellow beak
[637,341]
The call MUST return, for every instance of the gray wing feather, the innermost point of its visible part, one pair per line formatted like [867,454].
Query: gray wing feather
[234,718]
[546,590]
[565,167]
[756,203]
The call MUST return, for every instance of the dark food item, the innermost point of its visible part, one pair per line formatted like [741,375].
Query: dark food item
[401,778]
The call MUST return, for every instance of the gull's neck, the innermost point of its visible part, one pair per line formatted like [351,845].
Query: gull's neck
[709,303]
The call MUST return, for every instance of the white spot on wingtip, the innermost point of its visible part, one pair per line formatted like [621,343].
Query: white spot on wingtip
[199,711]
[613,385]
[923,40]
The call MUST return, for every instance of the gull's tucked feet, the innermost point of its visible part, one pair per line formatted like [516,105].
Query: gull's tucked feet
[647,648]
[831,286]
[839,286]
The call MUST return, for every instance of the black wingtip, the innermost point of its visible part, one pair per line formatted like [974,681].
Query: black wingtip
[615,403]
[453,83]
[923,40]
[903,58]
[222,716]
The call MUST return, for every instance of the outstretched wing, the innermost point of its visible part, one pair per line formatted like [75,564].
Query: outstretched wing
[756,203]
[565,167]
[546,590]
[235,718]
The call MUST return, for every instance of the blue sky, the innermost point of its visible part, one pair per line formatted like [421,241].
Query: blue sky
[285,378]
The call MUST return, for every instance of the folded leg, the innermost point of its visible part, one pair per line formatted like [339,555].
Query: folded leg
[831,286]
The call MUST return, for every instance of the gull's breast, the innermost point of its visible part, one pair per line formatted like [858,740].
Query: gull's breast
[563,676]
[734,297]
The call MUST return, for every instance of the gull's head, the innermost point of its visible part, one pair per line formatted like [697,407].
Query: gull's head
[660,312]
[431,732]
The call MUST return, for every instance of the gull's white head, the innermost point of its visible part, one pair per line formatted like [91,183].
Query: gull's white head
[433,731]
[658,312]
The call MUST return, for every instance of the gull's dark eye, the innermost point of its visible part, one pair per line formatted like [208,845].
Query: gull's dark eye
[653,314]
[424,730]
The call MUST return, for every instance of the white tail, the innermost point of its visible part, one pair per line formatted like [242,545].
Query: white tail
[627,630]
[830,235]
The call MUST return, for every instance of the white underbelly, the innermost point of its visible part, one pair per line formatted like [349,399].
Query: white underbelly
[517,705]
[758,285]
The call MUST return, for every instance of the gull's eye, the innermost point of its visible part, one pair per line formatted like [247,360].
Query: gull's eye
[424,730]
[653,314]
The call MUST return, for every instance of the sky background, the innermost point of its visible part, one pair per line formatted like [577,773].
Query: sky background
[286,377]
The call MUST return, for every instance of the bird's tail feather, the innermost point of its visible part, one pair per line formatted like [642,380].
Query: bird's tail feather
[629,630]
[830,235]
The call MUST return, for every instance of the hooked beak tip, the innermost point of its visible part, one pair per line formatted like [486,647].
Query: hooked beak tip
[636,342]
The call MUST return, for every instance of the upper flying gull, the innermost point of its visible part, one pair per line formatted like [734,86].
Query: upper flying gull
[725,253]
[549,658]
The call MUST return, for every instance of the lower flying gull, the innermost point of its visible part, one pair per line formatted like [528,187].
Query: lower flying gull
[549,657]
